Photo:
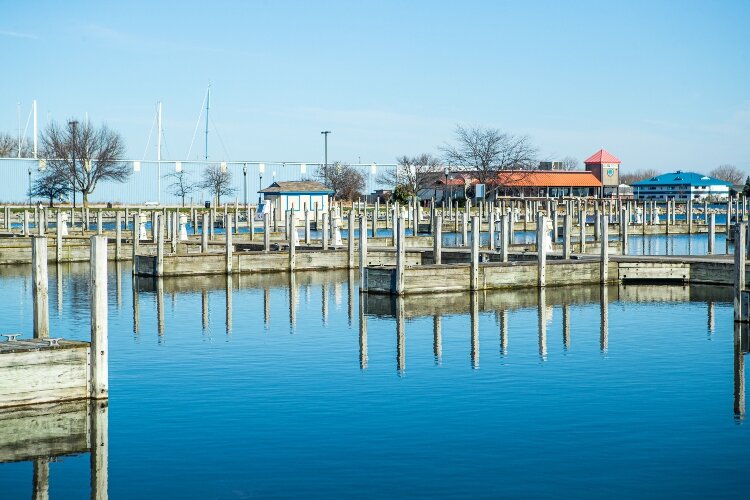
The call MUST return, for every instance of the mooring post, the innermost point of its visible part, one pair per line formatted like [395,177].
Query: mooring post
[26,223]
[176,229]
[228,223]
[59,237]
[204,233]
[567,222]
[350,239]
[597,223]
[711,233]
[251,223]
[40,224]
[555,223]
[99,222]
[211,223]
[118,235]
[541,248]
[740,258]
[307,227]
[604,242]
[465,228]
[396,211]
[325,230]
[475,233]
[624,216]
[136,239]
[506,224]
[266,232]
[99,342]
[491,229]
[400,229]
[40,284]
[159,221]
[362,252]
[689,216]
[437,240]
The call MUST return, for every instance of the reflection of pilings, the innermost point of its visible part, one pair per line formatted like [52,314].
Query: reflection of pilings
[566,326]
[474,327]
[542,316]
[604,319]
[136,307]
[229,304]
[362,336]
[99,438]
[503,332]
[266,306]
[324,302]
[160,306]
[437,334]
[293,297]
[41,479]
[118,284]
[740,347]
[400,340]
[711,317]
[204,309]
[350,289]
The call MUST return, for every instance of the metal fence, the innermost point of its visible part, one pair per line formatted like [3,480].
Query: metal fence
[149,181]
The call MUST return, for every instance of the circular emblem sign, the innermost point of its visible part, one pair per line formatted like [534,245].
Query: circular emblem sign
[610,172]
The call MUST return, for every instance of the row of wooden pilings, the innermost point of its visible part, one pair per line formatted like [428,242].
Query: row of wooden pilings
[99,359]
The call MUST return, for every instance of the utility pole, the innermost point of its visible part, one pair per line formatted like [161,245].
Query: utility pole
[325,165]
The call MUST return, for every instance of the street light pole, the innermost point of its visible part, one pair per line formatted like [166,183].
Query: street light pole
[260,183]
[73,125]
[29,185]
[445,191]
[244,175]
[325,165]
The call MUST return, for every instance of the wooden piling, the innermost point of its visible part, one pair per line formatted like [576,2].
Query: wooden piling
[475,234]
[711,234]
[204,233]
[136,237]
[505,234]
[362,251]
[99,222]
[604,244]
[541,248]
[491,230]
[437,240]
[59,238]
[567,221]
[307,227]
[266,232]
[465,228]
[39,286]
[228,223]
[99,342]
[118,235]
[350,239]
[325,230]
[159,223]
[400,230]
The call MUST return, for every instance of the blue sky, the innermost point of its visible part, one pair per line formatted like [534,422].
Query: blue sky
[662,85]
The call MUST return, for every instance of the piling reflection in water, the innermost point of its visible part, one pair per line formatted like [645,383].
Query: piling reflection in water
[474,304]
[45,433]
[604,319]
[228,292]
[400,336]
[362,336]
[566,326]
[293,299]
[437,338]
[741,346]
[204,310]
[503,332]
[160,307]
[136,307]
[542,320]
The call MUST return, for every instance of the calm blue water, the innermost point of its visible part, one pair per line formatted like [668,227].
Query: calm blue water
[280,399]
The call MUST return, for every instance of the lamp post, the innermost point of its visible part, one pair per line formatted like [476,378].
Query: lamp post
[29,185]
[325,158]
[244,177]
[260,183]
[73,124]
[445,190]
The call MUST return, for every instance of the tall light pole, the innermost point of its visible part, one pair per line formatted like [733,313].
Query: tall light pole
[73,125]
[325,165]
[244,175]
[260,183]
[445,191]
[29,185]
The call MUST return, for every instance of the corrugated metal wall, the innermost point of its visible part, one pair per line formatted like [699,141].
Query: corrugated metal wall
[148,181]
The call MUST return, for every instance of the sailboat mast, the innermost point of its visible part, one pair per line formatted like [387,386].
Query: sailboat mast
[208,105]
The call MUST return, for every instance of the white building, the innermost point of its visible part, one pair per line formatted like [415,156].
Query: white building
[297,195]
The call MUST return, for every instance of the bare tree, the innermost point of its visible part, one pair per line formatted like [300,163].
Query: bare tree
[218,181]
[413,173]
[347,182]
[9,147]
[180,184]
[638,175]
[728,173]
[486,152]
[97,152]
[53,184]
[569,163]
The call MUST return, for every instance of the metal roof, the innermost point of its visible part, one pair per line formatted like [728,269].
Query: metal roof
[296,187]
[601,156]
[681,178]
[548,178]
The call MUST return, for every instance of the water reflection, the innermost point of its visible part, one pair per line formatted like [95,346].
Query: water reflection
[400,337]
[437,338]
[604,319]
[741,346]
[362,336]
[474,302]
[46,433]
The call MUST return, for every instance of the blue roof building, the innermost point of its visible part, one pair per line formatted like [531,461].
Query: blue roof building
[681,186]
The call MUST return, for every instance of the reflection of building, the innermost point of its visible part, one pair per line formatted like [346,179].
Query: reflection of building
[681,186]
[296,195]
[606,167]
